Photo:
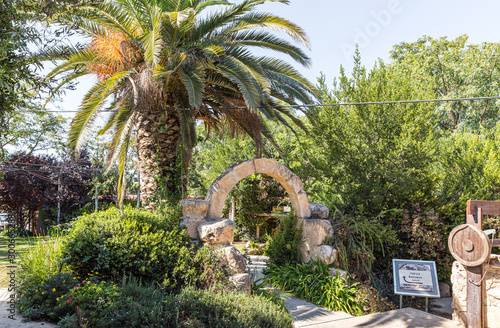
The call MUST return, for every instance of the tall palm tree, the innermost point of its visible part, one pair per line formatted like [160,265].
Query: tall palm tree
[163,64]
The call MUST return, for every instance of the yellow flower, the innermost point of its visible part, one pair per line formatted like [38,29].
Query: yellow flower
[53,289]
[74,278]
[43,293]
[21,307]
[42,282]
[64,281]
[57,299]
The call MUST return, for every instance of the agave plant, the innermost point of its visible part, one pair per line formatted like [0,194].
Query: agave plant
[163,64]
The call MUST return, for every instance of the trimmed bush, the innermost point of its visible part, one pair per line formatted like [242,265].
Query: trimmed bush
[139,243]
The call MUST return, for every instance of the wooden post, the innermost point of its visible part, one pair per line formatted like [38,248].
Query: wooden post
[475,292]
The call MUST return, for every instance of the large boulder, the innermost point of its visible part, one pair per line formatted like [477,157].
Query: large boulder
[192,226]
[319,211]
[233,258]
[327,254]
[194,208]
[241,283]
[315,231]
[217,232]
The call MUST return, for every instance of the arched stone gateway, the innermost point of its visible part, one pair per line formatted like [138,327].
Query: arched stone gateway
[203,218]
[221,187]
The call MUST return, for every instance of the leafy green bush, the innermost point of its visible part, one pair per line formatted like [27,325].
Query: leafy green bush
[283,247]
[313,283]
[140,243]
[469,169]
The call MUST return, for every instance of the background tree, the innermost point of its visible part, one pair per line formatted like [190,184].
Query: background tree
[455,69]
[156,57]
[29,184]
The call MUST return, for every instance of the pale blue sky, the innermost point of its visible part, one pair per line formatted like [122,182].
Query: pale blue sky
[335,26]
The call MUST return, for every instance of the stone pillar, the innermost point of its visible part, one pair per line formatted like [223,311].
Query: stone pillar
[491,297]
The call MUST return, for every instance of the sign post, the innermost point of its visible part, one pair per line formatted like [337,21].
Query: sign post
[415,278]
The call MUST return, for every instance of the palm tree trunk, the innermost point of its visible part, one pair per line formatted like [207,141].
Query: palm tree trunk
[158,149]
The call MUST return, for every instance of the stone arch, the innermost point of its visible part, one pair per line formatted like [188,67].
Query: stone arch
[221,187]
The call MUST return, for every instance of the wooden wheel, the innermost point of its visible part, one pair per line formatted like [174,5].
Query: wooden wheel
[469,246]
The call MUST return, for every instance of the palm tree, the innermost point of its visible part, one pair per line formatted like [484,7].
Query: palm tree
[163,64]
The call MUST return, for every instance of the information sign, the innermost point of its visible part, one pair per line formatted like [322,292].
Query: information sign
[415,278]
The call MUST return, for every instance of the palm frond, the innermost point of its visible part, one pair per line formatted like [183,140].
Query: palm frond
[92,103]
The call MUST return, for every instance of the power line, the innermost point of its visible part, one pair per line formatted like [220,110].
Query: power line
[289,106]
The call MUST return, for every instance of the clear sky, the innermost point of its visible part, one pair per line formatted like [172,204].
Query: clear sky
[335,26]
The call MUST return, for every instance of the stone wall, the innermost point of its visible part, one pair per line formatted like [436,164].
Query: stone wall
[491,299]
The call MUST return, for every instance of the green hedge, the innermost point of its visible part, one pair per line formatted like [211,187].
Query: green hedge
[139,243]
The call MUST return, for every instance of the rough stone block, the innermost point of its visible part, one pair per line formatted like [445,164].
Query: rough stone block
[327,254]
[319,211]
[194,208]
[304,251]
[241,283]
[233,258]
[244,169]
[315,231]
[192,226]
[218,232]
[265,165]
[302,207]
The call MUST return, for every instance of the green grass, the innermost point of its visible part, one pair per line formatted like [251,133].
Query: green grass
[22,244]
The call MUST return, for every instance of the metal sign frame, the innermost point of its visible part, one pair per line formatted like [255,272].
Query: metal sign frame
[397,284]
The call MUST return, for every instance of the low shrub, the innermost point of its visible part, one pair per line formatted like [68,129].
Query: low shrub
[41,301]
[132,304]
[283,247]
[139,243]
[195,308]
[313,283]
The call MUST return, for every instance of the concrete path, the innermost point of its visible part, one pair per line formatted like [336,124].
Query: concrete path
[308,315]
[16,322]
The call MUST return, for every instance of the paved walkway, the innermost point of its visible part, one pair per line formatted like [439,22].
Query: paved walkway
[308,315]
[16,322]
